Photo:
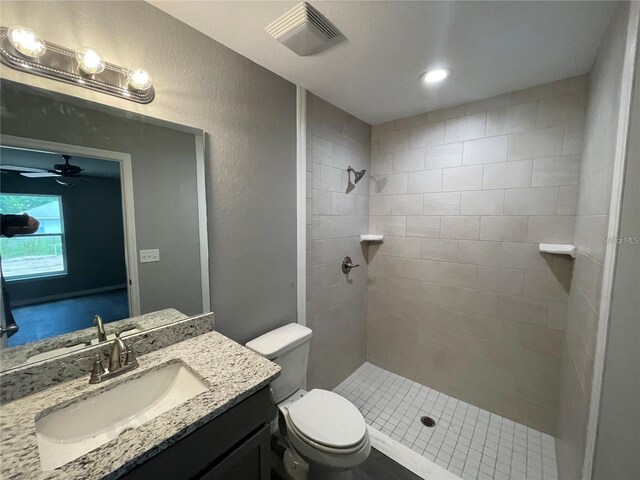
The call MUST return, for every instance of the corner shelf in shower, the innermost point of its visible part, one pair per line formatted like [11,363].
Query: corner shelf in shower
[558,249]
[370,238]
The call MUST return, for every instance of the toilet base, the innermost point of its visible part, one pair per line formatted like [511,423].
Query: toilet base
[295,463]
[296,468]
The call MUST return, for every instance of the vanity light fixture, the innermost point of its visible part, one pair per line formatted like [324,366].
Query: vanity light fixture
[23,49]
[138,79]
[26,41]
[90,61]
[435,75]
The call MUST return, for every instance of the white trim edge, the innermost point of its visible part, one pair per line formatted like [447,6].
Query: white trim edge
[412,461]
[202,222]
[626,93]
[301,203]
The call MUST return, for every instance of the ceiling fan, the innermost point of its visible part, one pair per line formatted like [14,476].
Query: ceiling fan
[64,173]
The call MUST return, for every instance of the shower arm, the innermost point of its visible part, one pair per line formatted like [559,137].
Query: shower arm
[357,175]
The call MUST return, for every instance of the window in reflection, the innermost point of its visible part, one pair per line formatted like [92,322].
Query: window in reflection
[42,253]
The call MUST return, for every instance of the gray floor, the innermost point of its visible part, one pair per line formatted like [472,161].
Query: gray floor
[466,440]
[58,317]
[377,467]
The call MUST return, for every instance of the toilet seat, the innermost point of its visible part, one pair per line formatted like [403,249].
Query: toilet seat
[301,437]
[343,460]
[326,429]
[328,420]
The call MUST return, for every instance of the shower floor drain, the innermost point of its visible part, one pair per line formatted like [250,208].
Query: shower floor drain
[428,421]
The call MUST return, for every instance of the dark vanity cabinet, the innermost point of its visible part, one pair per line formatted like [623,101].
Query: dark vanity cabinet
[232,446]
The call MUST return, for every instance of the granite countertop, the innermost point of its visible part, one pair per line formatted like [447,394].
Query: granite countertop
[17,356]
[232,371]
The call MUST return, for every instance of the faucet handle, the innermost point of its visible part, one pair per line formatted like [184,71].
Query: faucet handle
[131,356]
[347,265]
[98,369]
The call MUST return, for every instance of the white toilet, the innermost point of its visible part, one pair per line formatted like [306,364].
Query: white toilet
[325,433]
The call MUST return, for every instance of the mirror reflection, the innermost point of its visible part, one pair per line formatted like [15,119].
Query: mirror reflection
[62,261]
[79,250]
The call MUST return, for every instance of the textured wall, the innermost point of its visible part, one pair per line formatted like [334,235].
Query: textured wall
[459,297]
[249,115]
[337,215]
[591,225]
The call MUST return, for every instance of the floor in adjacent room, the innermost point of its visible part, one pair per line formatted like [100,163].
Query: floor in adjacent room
[468,441]
[58,317]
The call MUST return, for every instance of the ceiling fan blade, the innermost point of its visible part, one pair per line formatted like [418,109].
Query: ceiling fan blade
[17,168]
[39,175]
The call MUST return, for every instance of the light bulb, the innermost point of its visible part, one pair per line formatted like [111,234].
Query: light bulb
[89,61]
[26,41]
[139,79]
[436,75]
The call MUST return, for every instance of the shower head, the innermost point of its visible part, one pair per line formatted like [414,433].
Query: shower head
[357,175]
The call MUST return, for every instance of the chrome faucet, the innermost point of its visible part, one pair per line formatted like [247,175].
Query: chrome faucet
[102,335]
[121,360]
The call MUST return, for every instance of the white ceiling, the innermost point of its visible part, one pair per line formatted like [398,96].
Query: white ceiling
[492,47]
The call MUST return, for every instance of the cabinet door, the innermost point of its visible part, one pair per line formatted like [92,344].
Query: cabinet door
[202,450]
[249,461]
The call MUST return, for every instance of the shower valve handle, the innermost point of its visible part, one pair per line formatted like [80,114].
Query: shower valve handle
[347,265]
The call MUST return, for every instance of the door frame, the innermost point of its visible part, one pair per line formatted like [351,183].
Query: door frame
[126,186]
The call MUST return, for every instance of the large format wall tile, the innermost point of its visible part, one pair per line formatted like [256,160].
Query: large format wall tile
[460,299]
[339,214]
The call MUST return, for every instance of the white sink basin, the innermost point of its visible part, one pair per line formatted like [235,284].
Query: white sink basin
[70,432]
[64,350]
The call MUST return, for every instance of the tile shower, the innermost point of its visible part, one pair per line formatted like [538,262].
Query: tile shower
[459,297]
[464,320]
[460,309]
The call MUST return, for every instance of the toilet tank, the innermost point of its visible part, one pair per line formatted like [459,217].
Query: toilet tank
[287,346]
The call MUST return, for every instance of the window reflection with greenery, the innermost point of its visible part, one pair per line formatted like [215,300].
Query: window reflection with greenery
[41,253]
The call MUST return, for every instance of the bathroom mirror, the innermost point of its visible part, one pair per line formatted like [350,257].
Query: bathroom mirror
[119,201]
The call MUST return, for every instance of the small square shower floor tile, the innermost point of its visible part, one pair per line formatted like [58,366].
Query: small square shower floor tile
[469,441]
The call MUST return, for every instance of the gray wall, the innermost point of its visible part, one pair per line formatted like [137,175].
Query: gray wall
[591,225]
[618,437]
[164,181]
[460,299]
[249,115]
[93,233]
[337,215]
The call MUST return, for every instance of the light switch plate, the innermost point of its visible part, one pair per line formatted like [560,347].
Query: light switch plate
[147,256]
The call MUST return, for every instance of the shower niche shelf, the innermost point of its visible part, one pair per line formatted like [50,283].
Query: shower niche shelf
[558,249]
[370,238]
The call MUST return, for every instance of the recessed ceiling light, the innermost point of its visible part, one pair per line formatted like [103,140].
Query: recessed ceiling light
[435,75]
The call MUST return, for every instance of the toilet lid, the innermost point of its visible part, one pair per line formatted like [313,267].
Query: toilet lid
[328,419]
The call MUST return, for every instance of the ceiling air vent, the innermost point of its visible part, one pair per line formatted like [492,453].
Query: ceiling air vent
[304,30]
